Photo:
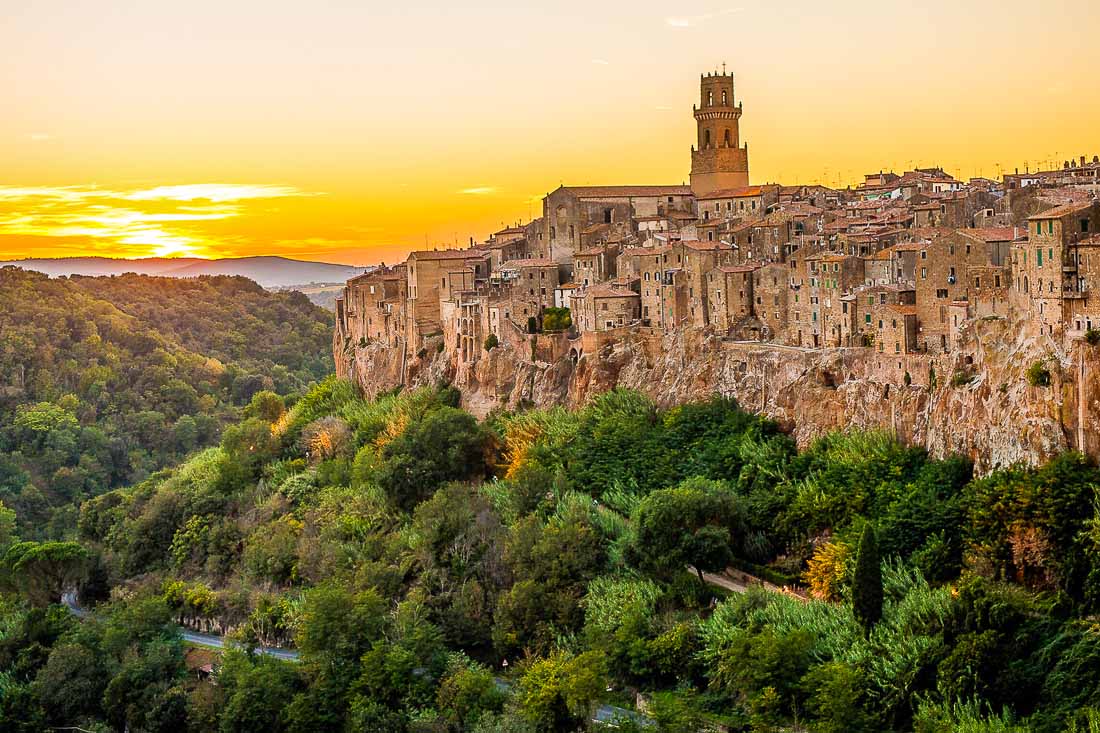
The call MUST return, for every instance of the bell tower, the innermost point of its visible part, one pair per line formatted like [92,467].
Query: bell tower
[718,160]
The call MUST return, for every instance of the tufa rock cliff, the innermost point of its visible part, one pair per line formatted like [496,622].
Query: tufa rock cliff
[976,401]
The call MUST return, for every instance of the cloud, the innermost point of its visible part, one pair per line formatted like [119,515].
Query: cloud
[478,191]
[160,221]
[601,62]
[688,21]
[38,137]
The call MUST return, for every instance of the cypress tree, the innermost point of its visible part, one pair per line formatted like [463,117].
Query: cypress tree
[867,583]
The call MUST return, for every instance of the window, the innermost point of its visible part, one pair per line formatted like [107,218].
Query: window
[607,216]
[726,137]
[867,318]
[1084,226]
[710,99]
[724,99]
[941,293]
[977,282]
[1039,258]
[1038,227]
[923,273]
[924,254]
[1050,227]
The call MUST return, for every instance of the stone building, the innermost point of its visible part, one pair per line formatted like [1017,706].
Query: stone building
[595,265]
[730,296]
[1050,283]
[427,276]
[570,210]
[605,307]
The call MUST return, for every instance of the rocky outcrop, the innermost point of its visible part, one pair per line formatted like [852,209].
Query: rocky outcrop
[976,401]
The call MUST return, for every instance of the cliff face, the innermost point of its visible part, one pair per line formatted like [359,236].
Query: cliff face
[976,401]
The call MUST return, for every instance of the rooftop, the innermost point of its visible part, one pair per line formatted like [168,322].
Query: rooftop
[626,191]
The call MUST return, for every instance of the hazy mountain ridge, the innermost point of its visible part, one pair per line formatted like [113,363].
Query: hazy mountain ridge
[269,271]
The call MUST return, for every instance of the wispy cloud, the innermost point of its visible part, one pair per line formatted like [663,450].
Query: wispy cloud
[478,191]
[37,137]
[161,221]
[688,21]
[601,62]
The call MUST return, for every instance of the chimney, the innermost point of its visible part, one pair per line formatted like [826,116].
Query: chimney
[1082,161]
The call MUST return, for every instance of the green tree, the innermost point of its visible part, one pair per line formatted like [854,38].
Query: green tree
[43,571]
[446,445]
[556,693]
[687,525]
[867,590]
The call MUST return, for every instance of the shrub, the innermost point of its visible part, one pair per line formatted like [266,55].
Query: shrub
[1038,375]
[960,378]
[1092,337]
[532,324]
[556,319]
[491,342]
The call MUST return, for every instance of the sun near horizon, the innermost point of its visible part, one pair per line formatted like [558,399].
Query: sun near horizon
[321,132]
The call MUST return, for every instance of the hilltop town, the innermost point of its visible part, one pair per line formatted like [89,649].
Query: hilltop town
[898,277]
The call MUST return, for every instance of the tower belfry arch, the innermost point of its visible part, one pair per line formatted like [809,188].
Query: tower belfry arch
[718,160]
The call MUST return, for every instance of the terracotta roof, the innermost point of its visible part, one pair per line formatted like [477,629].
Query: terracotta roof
[611,290]
[905,310]
[532,262]
[591,252]
[995,234]
[1065,210]
[646,251]
[627,191]
[510,230]
[447,254]
[595,227]
[698,246]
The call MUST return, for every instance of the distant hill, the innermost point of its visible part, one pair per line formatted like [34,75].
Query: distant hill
[104,380]
[268,271]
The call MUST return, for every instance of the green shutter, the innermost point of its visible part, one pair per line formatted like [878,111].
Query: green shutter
[1039,258]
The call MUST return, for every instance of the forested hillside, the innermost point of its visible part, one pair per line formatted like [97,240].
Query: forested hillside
[523,573]
[106,380]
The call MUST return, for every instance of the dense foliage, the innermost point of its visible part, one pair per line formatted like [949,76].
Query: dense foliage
[105,380]
[531,572]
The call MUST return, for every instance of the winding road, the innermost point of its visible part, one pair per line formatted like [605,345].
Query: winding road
[211,641]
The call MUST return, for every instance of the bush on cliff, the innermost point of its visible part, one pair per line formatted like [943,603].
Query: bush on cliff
[1038,375]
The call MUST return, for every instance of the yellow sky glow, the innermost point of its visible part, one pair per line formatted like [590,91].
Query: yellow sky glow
[354,132]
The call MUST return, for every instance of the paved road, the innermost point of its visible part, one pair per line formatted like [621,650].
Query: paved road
[211,641]
[723,582]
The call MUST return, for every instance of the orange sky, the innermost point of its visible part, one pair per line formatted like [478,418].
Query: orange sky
[355,131]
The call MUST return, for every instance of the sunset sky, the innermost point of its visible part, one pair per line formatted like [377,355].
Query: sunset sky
[355,131]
